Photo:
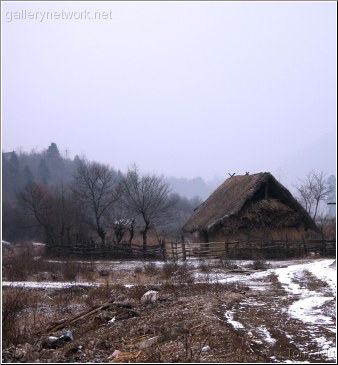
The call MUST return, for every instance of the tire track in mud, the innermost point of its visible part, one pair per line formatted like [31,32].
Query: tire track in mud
[266,319]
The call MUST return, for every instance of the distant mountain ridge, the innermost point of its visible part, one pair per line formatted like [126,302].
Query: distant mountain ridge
[193,187]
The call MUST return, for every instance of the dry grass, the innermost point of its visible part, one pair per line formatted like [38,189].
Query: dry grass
[187,317]
[14,301]
[24,266]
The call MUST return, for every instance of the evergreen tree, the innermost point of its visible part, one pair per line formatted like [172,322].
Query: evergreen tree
[14,161]
[43,172]
[28,176]
[53,151]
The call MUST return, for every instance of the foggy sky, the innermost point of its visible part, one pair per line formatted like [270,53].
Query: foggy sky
[182,89]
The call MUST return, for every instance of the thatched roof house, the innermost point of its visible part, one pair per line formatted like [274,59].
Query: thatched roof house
[250,207]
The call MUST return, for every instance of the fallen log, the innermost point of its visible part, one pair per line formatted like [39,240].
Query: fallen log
[55,326]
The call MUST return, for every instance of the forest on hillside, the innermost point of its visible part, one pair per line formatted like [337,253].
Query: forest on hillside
[55,199]
[58,200]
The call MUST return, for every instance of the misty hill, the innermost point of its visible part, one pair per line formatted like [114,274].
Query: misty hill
[51,168]
[193,187]
[47,167]
[43,182]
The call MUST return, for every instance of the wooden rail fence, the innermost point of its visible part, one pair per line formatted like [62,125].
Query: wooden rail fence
[121,251]
[249,250]
[211,250]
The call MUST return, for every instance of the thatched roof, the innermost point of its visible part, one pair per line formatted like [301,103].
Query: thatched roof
[237,194]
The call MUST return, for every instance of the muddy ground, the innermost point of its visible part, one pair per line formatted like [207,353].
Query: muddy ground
[206,312]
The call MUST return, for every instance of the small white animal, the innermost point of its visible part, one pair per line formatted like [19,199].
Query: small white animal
[151,296]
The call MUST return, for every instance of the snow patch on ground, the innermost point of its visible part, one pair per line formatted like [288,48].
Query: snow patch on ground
[38,244]
[46,284]
[230,319]
[308,307]
[321,269]
[308,310]
[267,336]
[325,271]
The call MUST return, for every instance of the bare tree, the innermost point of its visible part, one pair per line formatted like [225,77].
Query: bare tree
[96,187]
[39,203]
[148,197]
[121,222]
[313,190]
[67,212]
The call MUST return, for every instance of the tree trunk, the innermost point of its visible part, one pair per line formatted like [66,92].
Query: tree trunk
[102,235]
[131,235]
[316,209]
[144,235]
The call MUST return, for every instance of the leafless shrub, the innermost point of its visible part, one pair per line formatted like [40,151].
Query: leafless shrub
[63,298]
[14,301]
[176,272]
[150,268]
[88,271]
[184,274]
[104,272]
[227,264]
[13,270]
[260,264]
[138,270]
[169,269]
[204,267]
[22,265]
[70,270]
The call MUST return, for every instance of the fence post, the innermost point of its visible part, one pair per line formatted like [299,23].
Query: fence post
[183,251]
[226,249]
[323,248]
[163,250]
[304,245]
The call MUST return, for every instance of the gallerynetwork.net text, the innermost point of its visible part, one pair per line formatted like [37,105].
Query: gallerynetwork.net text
[42,16]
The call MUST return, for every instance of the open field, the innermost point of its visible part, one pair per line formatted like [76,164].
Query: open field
[207,311]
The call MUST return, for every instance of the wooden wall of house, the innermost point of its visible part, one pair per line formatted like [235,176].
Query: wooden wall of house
[282,234]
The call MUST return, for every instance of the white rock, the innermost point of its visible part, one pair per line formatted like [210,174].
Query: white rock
[116,353]
[112,320]
[52,339]
[150,296]
[206,349]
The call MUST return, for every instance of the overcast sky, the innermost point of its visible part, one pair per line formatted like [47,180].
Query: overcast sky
[182,89]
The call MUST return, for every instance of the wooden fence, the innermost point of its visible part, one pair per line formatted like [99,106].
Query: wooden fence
[249,250]
[122,251]
[188,250]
